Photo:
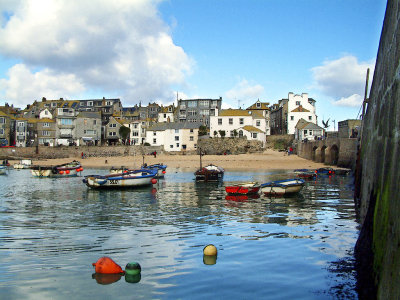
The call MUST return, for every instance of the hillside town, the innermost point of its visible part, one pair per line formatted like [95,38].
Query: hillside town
[176,127]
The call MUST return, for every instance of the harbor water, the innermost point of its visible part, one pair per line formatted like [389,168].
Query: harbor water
[300,247]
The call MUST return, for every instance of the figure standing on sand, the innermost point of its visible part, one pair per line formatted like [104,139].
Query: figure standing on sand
[155,154]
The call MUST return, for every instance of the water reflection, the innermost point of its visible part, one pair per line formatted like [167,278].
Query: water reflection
[52,229]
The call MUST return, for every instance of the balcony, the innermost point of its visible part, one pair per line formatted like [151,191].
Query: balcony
[65,135]
[66,126]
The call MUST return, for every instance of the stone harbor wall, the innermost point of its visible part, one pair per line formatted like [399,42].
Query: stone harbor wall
[378,172]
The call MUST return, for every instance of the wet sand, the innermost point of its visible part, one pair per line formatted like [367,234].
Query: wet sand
[268,160]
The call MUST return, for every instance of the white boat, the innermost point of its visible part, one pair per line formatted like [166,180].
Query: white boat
[132,178]
[65,170]
[23,164]
[282,187]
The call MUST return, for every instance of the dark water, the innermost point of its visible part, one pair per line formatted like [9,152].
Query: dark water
[52,230]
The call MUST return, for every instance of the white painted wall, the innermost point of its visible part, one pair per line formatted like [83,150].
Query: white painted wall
[294,117]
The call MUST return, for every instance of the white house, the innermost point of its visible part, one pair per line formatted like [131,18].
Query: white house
[245,123]
[308,131]
[45,114]
[138,132]
[166,114]
[300,107]
[173,136]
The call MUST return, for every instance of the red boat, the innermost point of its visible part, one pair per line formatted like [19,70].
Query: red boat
[307,175]
[245,188]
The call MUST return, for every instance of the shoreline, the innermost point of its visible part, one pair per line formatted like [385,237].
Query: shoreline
[268,160]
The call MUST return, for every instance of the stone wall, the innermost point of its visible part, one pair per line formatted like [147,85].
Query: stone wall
[378,195]
[228,145]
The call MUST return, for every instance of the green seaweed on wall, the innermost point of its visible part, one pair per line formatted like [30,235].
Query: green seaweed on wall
[380,226]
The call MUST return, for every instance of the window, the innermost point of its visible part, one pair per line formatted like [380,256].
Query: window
[231,133]
[45,133]
[192,103]
[241,121]
[240,133]
[310,118]
[310,133]
[292,118]
[108,103]
[230,121]
[46,124]
[192,112]
[191,139]
[219,121]
[204,103]
[154,141]
[191,130]
[204,112]
[112,133]
[176,130]
[113,125]
[67,122]
[154,133]
[165,116]
[177,145]
[195,146]
[94,122]
[2,120]
[297,102]
[305,131]
[258,123]
[254,135]
[90,103]
[258,104]
[20,124]
[171,146]
[176,138]
[1,131]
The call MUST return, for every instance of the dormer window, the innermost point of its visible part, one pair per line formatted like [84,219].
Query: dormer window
[297,102]
[258,105]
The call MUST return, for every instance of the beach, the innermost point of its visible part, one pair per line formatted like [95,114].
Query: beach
[268,160]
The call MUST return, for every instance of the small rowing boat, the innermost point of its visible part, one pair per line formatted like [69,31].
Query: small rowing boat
[65,170]
[244,188]
[282,187]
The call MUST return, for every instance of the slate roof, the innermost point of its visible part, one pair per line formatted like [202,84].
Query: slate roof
[174,125]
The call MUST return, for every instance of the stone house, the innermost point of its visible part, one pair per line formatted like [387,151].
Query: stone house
[88,128]
[46,132]
[6,124]
[198,110]
[349,128]
[66,126]
[21,132]
[111,130]
[307,131]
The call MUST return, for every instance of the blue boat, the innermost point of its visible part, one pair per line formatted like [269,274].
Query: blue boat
[131,178]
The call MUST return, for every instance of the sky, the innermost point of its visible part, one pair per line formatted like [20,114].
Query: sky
[145,51]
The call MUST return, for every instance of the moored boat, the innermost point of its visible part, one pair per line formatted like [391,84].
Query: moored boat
[64,170]
[244,188]
[282,187]
[161,169]
[132,178]
[327,171]
[23,164]
[209,173]
[3,170]
[307,175]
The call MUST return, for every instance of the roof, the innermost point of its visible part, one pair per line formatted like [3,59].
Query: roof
[300,109]
[174,125]
[234,112]
[89,114]
[303,124]
[45,120]
[252,129]
[262,106]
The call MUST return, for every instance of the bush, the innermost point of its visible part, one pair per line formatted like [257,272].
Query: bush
[281,144]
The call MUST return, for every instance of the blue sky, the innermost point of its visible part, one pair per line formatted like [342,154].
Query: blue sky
[240,50]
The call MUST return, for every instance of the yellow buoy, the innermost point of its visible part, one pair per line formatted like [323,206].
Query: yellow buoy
[210,250]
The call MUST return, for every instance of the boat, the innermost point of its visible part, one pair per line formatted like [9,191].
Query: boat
[307,175]
[3,170]
[328,171]
[64,170]
[23,164]
[282,187]
[244,188]
[132,178]
[209,173]
[161,169]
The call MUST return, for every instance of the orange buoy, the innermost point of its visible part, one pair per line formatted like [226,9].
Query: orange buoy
[153,181]
[164,172]
[106,265]
[66,171]
[61,172]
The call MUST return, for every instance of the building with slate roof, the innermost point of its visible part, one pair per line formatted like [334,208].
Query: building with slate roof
[198,110]
[306,131]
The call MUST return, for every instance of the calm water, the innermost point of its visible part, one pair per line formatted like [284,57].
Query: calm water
[52,230]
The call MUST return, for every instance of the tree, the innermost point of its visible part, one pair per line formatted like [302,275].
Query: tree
[215,133]
[202,130]
[235,133]
[222,133]
[124,132]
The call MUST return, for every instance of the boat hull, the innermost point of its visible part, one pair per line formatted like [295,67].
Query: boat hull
[65,170]
[130,179]
[209,173]
[282,187]
[3,170]
[244,189]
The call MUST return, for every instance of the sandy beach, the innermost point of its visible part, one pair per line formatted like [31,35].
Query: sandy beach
[268,160]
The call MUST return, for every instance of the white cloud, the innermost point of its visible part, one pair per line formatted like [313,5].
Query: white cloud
[354,100]
[22,84]
[121,47]
[244,91]
[343,79]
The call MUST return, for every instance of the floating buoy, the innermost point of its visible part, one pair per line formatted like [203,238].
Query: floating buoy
[210,250]
[106,265]
[164,171]
[153,181]
[132,268]
[61,172]
[67,172]
[209,259]
[133,278]
[80,169]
